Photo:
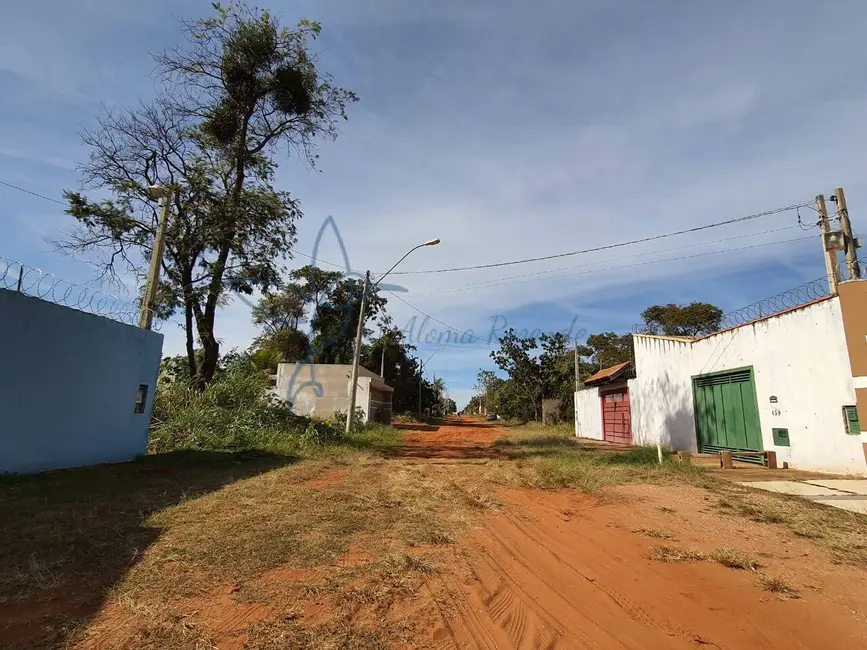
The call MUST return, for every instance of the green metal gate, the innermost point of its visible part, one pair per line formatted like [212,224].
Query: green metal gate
[727,413]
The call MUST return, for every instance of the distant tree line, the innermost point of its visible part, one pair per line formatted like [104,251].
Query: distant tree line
[544,368]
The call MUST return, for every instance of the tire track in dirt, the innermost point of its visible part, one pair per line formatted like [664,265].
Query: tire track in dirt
[562,570]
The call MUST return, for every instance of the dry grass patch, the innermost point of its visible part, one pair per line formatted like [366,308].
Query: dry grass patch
[843,534]
[777,585]
[671,553]
[150,536]
[342,634]
[656,533]
[734,559]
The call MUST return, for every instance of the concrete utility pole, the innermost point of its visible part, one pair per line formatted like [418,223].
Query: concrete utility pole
[356,356]
[382,363]
[830,254]
[353,381]
[854,271]
[577,369]
[148,304]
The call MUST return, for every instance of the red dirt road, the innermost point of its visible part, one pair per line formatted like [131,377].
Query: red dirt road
[565,570]
[529,569]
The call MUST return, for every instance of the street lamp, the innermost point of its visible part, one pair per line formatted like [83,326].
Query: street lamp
[148,304]
[421,375]
[356,357]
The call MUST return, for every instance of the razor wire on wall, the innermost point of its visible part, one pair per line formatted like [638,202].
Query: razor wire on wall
[37,283]
[796,297]
[789,299]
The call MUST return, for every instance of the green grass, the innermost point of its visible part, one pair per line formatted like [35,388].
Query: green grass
[550,461]
[537,428]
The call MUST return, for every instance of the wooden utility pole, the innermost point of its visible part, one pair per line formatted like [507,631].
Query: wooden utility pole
[830,255]
[852,268]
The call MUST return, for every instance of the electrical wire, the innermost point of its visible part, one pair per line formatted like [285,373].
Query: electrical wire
[683,257]
[496,281]
[631,242]
[294,252]
[628,266]
[21,189]
[437,320]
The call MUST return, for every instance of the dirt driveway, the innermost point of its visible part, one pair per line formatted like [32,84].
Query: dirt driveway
[440,543]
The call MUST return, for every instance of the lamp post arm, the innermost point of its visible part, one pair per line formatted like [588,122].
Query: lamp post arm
[382,277]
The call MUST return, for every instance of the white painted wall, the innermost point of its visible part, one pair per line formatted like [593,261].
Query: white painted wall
[68,385]
[588,414]
[661,396]
[799,356]
[321,389]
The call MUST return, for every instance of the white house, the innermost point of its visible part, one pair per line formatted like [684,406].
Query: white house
[794,383]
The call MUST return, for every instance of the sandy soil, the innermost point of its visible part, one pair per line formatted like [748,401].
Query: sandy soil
[566,570]
[557,569]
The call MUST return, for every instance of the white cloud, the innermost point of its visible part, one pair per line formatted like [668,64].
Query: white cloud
[516,129]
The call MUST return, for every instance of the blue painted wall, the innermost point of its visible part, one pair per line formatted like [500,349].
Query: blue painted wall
[68,384]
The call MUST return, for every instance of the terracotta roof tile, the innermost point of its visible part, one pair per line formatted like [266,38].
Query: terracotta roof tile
[607,373]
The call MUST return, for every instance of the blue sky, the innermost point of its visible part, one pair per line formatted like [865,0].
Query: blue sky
[508,129]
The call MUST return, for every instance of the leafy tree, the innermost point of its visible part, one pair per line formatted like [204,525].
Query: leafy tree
[605,350]
[289,345]
[402,370]
[282,310]
[525,379]
[557,367]
[486,384]
[694,319]
[314,284]
[335,321]
[240,86]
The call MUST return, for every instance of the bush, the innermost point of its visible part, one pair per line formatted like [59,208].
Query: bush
[338,420]
[236,411]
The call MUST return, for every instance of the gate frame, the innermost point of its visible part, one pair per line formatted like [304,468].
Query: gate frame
[755,401]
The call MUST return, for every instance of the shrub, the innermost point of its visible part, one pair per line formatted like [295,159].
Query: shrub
[338,420]
[236,411]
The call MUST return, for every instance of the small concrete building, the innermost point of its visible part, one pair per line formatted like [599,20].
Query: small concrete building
[794,383]
[321,389]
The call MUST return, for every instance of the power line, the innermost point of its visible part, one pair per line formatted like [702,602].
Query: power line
[683,257]
[497,281]
[631,242]
[628,266]
[21,189]
[294,252]
[437,320]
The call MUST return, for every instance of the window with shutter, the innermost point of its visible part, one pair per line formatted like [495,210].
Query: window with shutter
[850,415]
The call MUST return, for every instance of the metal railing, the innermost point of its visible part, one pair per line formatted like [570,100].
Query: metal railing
[34,282]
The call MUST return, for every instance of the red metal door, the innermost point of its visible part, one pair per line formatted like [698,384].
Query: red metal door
[616,423]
